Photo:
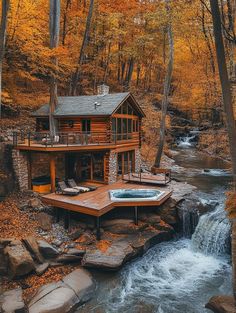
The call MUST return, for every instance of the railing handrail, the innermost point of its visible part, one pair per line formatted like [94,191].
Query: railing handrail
[65,137]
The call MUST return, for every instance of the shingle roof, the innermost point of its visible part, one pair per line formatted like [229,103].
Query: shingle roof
[85,105]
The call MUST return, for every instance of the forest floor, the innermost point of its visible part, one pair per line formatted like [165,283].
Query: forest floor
[18,224]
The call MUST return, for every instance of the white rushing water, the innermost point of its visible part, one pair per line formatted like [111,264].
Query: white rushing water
[186,142]
[212,235]
[177,276]
[163,280]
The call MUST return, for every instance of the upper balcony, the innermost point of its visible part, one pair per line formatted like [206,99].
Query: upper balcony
[73,141]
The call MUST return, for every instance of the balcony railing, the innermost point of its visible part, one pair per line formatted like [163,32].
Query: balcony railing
[31,139]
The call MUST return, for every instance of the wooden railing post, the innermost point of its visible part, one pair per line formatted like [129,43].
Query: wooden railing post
[53,172]
[29,139]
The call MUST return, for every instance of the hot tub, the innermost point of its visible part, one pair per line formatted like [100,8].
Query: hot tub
[41,184]
[135,194]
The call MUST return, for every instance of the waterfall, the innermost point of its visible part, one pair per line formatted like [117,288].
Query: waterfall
[212,234]
[189,221]
[186,142]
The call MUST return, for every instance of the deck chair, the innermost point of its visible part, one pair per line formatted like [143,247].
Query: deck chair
[67,191]
[72,184]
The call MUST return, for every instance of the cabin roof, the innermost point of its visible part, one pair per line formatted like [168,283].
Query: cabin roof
[86,105]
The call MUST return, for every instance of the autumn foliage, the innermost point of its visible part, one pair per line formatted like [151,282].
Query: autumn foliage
[127,49]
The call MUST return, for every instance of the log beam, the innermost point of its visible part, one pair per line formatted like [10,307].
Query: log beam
[53,172]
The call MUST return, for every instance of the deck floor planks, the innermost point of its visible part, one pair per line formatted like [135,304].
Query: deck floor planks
[98,202]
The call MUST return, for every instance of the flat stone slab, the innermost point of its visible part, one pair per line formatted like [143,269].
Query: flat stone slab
[64,296]
[112,259]
[125,249]
[12,302]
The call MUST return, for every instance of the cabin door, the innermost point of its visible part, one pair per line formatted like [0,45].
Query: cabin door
[89,166]
[126,163]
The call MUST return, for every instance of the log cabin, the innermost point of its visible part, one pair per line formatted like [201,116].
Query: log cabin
[98,139]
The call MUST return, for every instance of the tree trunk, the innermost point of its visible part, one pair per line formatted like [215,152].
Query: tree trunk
[76,76]
[54,29]
[5,9]
[64,29]
[167,86]
[225,83]
[229,113]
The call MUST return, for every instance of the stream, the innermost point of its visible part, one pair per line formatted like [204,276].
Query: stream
[181,275]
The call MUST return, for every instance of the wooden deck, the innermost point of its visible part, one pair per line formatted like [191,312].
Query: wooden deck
[97,203]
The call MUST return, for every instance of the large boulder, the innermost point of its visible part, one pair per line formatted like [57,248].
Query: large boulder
[12,302]
[41,268]
[222,304]
[45,221]
[32,245]
[47,250]
[180,190]
[19,259]
[63,296]
[168,212]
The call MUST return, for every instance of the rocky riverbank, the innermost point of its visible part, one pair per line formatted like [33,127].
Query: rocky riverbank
[43,252]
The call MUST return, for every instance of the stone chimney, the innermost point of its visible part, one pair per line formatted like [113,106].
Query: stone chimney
[103,90]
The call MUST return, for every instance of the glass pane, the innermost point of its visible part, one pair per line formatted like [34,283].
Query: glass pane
[113,129]
[119,129]
[98,166]
[126,164]
[86,126]
[84,167]
[130,110]
[129,128]
[125,108]
[124,128]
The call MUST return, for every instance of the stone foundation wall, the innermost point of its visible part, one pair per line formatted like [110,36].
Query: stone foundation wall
[138,160]
[112,168]
[20,168]
[40,164]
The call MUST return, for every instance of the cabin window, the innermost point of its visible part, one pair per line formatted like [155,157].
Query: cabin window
[119,129]
[86,126]
[126,163]
[127,109]
[124,128]
[43,124]
[130,110]
[135,126]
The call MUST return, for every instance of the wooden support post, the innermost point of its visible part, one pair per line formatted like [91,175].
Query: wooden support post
[67,219]
[57,215]
[53,172]
[98,228]
[29,168]
[136,215]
